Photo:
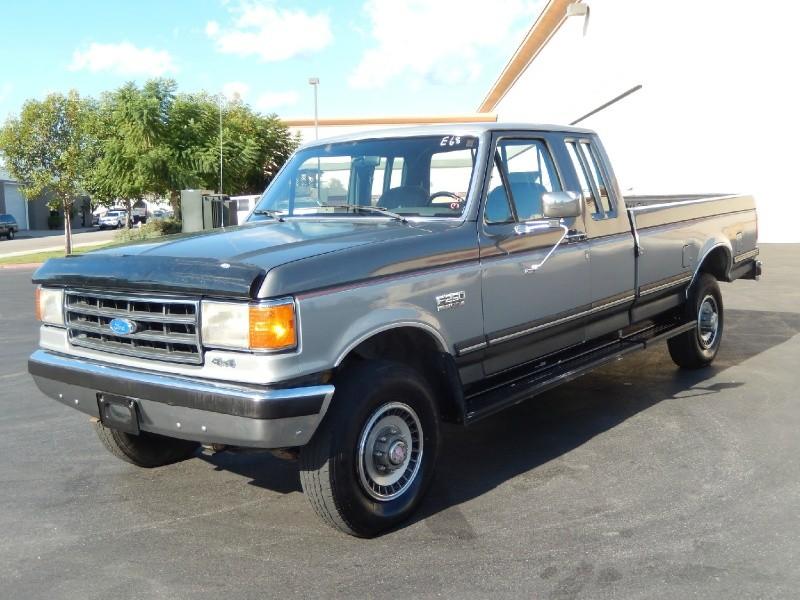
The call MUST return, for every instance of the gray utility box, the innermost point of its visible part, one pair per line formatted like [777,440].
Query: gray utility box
[203,209]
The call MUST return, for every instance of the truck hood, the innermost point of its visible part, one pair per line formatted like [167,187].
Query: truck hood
[230,262]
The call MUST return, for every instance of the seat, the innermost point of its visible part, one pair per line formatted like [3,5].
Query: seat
[527,192]
[404,196]
[497,209]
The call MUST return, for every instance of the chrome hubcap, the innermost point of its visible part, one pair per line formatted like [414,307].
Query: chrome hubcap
[390,451]
[708,321]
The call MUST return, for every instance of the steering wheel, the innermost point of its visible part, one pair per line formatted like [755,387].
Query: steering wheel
[455,197]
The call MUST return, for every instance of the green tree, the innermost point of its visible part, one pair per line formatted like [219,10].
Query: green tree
[253,146]
[157,142]
[135,155]
[47,149]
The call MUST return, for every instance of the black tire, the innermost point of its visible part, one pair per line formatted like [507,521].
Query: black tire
[10,235]
[145,450]
[698,347]
[332,470]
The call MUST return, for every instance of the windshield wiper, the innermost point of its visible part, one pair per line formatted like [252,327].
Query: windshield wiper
[373,209]
[275,214]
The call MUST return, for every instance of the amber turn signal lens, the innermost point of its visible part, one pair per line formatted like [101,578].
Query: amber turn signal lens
[272,327]
[37,302]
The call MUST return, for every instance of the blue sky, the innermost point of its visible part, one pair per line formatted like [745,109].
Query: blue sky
[373,57]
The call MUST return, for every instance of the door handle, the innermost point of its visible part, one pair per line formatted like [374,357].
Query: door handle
[535,226]
[576,236]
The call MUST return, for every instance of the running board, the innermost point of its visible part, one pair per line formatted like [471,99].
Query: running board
[520,386]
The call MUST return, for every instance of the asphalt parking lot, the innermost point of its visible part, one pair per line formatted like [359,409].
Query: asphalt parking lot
[637,481]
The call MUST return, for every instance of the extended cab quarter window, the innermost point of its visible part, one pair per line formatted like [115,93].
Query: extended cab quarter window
[586,190]
[529,172]
[598,177]
[592,179]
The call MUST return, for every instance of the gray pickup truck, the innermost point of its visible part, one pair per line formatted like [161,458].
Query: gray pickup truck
[386,282]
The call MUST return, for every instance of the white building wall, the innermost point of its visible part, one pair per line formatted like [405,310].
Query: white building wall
[16,203]
[718,111]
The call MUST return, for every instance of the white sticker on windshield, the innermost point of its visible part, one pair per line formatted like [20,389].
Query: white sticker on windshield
[451,140]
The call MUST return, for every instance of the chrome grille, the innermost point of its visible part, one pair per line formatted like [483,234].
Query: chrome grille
[164,328]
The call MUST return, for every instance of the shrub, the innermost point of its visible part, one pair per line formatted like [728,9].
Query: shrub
[151,229]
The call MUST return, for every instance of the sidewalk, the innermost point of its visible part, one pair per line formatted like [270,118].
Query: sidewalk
[48,240]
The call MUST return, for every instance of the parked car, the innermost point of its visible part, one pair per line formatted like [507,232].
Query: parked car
[8,226]
[113,219]
[346,333]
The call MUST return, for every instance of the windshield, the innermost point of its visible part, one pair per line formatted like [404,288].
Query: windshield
[411,176]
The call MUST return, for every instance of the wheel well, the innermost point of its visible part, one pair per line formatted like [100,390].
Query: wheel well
[717,263]
[419,350]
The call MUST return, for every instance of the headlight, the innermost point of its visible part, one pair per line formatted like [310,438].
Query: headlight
[50,306]
[240,326]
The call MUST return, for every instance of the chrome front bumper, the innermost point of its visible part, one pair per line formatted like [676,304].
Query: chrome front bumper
[192,409]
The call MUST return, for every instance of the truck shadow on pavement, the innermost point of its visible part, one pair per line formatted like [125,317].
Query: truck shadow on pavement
[475,460]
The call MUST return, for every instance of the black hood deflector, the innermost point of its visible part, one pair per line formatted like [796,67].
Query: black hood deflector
[193,276]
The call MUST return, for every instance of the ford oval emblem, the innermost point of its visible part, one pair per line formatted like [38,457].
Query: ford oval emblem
[122,326]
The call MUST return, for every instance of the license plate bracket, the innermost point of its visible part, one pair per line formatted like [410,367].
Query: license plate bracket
[118,412]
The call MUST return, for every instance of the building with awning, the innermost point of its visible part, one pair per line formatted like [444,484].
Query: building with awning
[688,97]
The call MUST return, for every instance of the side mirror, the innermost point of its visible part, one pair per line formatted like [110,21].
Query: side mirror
[561,205]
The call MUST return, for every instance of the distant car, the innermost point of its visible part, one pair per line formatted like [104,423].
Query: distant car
[113,219]
[8,226]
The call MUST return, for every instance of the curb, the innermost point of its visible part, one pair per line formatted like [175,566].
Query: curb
[21,266]
[53,248]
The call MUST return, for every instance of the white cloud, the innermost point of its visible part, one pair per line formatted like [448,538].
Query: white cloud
[124,59]
[270,101]
[270,33]
[232,89]
[439,41]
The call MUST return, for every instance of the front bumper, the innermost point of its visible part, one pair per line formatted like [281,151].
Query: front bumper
[192,409]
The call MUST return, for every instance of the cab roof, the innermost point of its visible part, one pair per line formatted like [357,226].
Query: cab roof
[475,129]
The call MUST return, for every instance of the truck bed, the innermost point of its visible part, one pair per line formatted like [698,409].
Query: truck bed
[649,199]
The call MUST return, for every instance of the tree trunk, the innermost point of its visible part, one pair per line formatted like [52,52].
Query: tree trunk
[175,202]
[67,227]
[128,215]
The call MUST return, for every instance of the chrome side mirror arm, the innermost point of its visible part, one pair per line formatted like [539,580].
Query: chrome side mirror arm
[540,226]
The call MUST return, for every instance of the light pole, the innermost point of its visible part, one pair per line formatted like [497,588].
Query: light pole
[220,143]
[315,82]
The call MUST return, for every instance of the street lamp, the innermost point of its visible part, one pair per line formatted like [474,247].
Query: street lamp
[220,141]
[315,82]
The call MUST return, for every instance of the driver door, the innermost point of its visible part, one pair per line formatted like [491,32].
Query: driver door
[528,313]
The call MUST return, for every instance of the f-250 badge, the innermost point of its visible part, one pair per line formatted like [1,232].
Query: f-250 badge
[450,300]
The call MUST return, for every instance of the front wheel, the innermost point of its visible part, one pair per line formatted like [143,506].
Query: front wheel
[372,458]
[698,347]
[146,450]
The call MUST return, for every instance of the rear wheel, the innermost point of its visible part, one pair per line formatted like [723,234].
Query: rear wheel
[10,234]
[698,347]
[372,458]
[146,449]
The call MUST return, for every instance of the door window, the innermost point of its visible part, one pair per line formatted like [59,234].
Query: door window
[529,173]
